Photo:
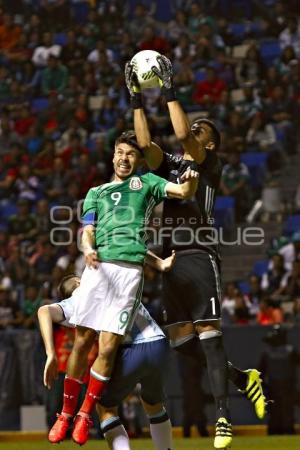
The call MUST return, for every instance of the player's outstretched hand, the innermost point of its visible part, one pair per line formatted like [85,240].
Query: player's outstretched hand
[91,259]
[165,72]
[50,371]
[169,262]
[189,174]
[131,80]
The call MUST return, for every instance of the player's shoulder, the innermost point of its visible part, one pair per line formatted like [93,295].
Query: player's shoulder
[150,178]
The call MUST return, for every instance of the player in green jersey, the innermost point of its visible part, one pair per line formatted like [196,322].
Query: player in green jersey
[113,243]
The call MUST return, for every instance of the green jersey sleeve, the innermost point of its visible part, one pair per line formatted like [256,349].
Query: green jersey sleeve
[89,210]
[157,187]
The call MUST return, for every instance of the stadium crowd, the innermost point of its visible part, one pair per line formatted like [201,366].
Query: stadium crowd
[63,102]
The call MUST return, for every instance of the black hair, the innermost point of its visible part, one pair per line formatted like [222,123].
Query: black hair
[67,285]
[128,137]
[215,132]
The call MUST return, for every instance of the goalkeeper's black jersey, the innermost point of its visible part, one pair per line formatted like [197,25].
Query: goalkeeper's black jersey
[187,224]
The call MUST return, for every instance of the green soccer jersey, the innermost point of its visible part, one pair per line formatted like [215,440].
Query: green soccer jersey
[120,211]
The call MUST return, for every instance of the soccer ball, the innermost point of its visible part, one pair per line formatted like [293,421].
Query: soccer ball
[142,65]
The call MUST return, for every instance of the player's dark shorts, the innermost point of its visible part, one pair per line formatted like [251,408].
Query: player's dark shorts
[191,290]
[139,363]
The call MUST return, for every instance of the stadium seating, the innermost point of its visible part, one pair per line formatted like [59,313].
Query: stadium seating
[224,212]
[256,163]
[269,51]
[260,267]
[39,104]
[291,225]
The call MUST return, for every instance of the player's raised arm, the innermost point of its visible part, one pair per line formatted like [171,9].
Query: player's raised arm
[152,152]
[47,315]
[179,119]
[185,190]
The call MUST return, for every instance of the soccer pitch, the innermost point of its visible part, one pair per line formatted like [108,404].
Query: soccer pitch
[242,443]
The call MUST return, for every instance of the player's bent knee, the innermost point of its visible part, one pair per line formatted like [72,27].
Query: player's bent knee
[152,409]
[209,334]
[208,326]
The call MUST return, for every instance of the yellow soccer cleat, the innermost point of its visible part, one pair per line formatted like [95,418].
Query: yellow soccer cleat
[254,392]
[223,438]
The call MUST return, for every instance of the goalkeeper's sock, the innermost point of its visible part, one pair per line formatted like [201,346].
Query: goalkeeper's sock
[191,346]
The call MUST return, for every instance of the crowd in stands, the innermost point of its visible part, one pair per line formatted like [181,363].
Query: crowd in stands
[63,101]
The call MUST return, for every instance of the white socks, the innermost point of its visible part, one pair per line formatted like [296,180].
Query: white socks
[117,438]
[161,431]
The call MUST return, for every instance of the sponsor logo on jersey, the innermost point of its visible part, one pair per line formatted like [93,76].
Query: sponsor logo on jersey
[135,184]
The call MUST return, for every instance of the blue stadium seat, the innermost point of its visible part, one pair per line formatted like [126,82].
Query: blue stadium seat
[269,51]
[224,212]
[256,163]
[291,225]
[7,209]
[244,287]
[80,11]
[39,104]
[260,267]
[200,75]
[238,30]
[60,39]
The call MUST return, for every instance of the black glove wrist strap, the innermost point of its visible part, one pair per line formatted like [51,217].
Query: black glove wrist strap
[169,94]
[136,101]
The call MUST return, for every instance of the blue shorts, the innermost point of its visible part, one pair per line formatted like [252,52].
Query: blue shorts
[138,363]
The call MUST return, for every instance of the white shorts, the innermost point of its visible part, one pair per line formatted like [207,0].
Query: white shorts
[108,297]
[67,307]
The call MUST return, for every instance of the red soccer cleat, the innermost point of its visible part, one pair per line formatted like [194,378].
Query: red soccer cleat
[81,429]
[59,430]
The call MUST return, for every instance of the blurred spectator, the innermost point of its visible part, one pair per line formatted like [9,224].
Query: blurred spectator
[261,135]
[32,302]
[254,295]
[23,224]
[272,279]
[94,55]
[152,41]
[8,309]
[290,36]
[269,312]
[251,103]
[291,251]
[251,68]
[73,53]
[27,185]
[209,90]
[54,77]
[283,64]
[140,20]
[71,262]
[235,183]
[9,33]
[290,284]
[178,26]
[72,153]
[42,53]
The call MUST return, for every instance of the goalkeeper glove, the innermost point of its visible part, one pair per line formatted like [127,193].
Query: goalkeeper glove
[133,86]
[165,74]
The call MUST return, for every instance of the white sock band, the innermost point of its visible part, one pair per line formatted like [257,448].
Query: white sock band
[98,376]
